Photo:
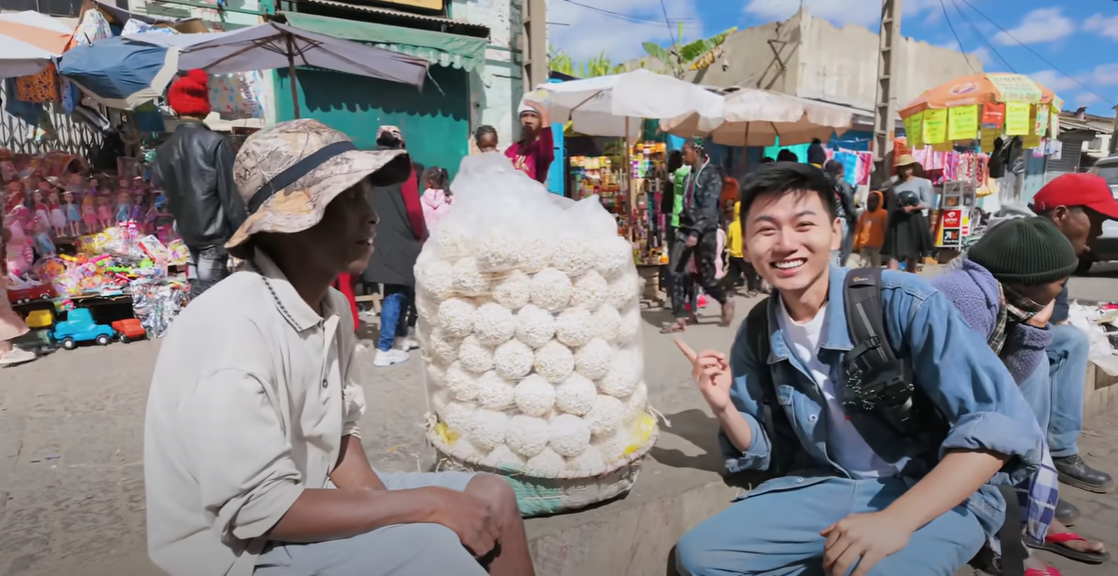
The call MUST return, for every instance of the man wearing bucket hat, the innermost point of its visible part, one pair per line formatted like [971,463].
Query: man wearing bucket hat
[253,463]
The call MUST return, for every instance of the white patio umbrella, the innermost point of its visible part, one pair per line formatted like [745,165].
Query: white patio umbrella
[20,58]
[273,45]
[605,106]
[757,117]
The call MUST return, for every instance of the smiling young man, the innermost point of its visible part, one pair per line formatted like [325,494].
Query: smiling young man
[253,462]
[855,495]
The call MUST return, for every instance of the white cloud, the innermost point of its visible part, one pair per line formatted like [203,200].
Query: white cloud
[618,27]
[1054,81]
[1102,25]
[1038,26]
[863,12]
[1086,99]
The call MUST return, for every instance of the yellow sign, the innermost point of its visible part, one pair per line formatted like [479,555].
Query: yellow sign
[935,125]
[943,147]
[1017,119]
[1030,141]
[962,122]
[914,130]
[986,141]
[1015,87]
[1041,125]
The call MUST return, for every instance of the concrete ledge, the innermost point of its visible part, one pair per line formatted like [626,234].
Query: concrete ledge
[1100,392]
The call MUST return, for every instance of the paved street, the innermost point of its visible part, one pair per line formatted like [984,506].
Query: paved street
[71,489]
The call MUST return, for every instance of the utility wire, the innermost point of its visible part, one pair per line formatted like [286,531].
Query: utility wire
[956,35]
[671,36]
[1037,54]
[636,19]
[982,37]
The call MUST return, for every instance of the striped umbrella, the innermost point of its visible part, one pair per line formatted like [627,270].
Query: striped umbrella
[38,30]
[119,74]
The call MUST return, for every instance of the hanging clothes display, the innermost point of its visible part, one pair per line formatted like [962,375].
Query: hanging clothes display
[41,88]
[92,28]
[237,96]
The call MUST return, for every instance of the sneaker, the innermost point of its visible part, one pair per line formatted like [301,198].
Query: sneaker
[16,356]
[406,344]
[385,358]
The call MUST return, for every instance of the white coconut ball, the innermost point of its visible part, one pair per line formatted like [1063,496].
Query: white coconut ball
[574,327]
[554,362]
[574,255]
[513,360]
[570,435]
[593,360]
[451,243]
[630,328]
[546,464]
[456,317]
[469,280]
[463,449]
[537,254]
[607,323]
[605,417]
[494,392]
[551,290]
[535,396]
[504,459]
[615,257]
[624,290]
[475,357]
[443,346]
[461,383]
[436,278]
[612,447]
[494,324]
[636,404]
[623,376]
[513,291]
[534,326]
[527,436]
[458,417]
[436,375]
[489,428]
[426,307]
[576,395]
[496,253]
[589,463]
[590,291]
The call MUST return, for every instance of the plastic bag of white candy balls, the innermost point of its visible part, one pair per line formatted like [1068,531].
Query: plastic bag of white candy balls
[529,324]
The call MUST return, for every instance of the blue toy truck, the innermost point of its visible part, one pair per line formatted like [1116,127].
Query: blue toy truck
[79,327]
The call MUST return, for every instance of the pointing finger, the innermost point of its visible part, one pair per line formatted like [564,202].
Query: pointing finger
[687,351]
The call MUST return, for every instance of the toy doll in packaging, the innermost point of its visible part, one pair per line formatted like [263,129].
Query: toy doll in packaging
[123,207]
[39,205]
[13,196]
[73,215]
[104,213]
[57,217]
[43,244]
[89,213]
[20,255]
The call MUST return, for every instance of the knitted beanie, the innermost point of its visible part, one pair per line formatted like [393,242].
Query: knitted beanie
[1025,251]
[190,95]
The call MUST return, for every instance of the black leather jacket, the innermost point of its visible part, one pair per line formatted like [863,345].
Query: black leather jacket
[194,168]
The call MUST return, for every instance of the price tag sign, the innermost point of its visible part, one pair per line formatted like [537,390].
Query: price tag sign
[935,125]
[1016,88]
[962,122]
[1017,119]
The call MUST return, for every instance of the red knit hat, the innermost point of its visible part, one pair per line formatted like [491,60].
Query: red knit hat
[190,95]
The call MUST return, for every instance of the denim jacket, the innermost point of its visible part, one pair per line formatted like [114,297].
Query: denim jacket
[952,365]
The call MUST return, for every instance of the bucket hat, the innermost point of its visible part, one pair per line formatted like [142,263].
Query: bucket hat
[288,173]
[905,160]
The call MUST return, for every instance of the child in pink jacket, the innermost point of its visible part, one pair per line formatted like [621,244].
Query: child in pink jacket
[436,199]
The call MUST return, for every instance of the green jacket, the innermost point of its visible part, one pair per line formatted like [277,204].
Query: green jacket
[678,179]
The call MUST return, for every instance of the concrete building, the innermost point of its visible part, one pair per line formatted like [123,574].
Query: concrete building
[810,57]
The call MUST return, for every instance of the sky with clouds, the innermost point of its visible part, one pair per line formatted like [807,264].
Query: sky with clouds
[1071,46]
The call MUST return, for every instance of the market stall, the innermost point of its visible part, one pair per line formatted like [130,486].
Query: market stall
[953,128]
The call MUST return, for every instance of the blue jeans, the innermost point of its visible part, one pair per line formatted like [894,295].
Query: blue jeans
[1067,359]
[393,315]
[777,533]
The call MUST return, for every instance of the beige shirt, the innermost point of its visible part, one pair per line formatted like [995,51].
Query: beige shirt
[251,396]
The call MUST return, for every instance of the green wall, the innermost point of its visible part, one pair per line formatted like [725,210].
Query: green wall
[435,123]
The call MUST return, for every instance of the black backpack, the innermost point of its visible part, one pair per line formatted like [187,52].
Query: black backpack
[879,386]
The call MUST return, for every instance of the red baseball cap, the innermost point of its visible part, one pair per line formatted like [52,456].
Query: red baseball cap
[1079,189]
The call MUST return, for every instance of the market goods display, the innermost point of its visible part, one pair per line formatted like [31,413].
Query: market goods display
[529,322]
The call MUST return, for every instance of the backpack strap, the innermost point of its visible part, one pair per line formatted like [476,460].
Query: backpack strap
[1013,549]
[758,336]
[873,373]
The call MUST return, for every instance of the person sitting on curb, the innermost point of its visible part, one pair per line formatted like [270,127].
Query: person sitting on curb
[854,494]
[1006,291]
[1077,204]
[253,464]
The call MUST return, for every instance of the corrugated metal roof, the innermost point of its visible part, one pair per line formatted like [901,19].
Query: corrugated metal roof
[395,13]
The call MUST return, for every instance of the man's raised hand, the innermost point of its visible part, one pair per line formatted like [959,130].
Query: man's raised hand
[711,373]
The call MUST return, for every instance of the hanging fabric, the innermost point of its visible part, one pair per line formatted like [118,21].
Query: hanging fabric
[237,96]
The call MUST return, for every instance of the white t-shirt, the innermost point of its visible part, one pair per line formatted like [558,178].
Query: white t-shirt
[844,444]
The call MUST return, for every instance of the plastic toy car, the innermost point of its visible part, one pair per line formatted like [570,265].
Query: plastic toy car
[79,327]
[128,330]
[40,292]
[39,319]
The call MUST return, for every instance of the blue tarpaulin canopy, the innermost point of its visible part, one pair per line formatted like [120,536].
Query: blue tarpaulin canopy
[120,74]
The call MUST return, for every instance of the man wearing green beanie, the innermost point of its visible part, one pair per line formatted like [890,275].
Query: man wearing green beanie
[1006,290]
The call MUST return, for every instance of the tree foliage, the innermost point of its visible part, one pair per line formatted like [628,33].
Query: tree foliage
[600,65]
[698,54]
